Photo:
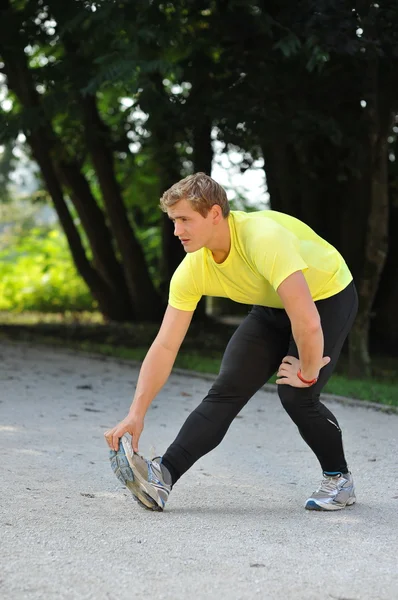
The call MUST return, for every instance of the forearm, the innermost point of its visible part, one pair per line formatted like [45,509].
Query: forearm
[154,373]
[310,348]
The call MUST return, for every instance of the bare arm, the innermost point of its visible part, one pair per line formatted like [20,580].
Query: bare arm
[305,321]
[154,373]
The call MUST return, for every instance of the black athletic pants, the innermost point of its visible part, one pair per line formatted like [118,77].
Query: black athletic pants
[253,354]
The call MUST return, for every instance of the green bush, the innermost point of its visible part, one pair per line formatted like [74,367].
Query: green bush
[37,273]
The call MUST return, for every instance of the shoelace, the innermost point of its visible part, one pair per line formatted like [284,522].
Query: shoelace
[329,484]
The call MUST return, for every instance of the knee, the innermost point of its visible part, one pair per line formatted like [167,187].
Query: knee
[294,399]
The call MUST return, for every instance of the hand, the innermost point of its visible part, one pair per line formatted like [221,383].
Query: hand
[288,371]
[132,425]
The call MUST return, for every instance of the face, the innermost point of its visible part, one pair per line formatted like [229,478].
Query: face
[193,230]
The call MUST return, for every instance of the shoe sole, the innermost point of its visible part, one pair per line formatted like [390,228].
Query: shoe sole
[123,471]
[313,505]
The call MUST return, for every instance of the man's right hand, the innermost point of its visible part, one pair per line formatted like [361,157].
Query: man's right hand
[132,425]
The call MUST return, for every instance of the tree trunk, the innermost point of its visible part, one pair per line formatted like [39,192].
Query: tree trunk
[40,139]
[384,330]
[145,299]
[166,128]
[133,274]
[300,187]
[355,205]
[98,287]
[202,146]
[376,244]
[98,235]
[281,168]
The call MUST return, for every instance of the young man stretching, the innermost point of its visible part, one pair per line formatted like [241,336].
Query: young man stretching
[304,305]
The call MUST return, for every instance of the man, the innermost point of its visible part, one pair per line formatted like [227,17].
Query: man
[304,306]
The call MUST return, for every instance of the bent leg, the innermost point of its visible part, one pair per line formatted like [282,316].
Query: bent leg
[317,424]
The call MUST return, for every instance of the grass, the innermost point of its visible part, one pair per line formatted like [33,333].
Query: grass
[382,388]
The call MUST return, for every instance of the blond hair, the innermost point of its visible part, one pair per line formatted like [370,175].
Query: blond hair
[200,190]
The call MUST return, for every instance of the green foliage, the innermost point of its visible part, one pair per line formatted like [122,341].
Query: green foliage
[37,273]
[288,45]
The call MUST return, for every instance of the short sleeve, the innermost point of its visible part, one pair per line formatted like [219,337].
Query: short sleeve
[183,293]
[277,255]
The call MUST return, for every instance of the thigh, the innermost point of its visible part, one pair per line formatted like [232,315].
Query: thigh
[337,317]
[253,354]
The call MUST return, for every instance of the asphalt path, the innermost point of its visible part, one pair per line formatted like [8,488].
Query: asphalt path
[234,526]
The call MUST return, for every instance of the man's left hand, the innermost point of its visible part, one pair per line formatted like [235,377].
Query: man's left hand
[288,371]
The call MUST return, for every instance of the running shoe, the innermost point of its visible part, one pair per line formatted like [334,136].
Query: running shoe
[334,493]
[148,481]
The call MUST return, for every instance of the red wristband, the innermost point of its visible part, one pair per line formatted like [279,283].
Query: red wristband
[308,382]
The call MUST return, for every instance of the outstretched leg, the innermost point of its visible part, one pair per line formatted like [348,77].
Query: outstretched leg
[251,357]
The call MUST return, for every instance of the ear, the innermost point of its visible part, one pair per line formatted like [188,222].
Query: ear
[217,215]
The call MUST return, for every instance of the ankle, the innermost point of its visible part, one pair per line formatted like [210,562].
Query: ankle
[169,473]
[335,473]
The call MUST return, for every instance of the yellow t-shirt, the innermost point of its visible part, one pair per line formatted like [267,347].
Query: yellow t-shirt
[266,247]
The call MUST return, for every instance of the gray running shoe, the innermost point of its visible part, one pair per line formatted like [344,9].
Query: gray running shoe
[334,493]
[144,478]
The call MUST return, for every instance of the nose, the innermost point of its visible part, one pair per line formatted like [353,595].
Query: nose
[178,229]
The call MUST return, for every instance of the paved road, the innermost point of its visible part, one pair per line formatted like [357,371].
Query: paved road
[234,527]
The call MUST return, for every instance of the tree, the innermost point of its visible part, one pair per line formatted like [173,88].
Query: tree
[323,126]
[307,85]
[117,275]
